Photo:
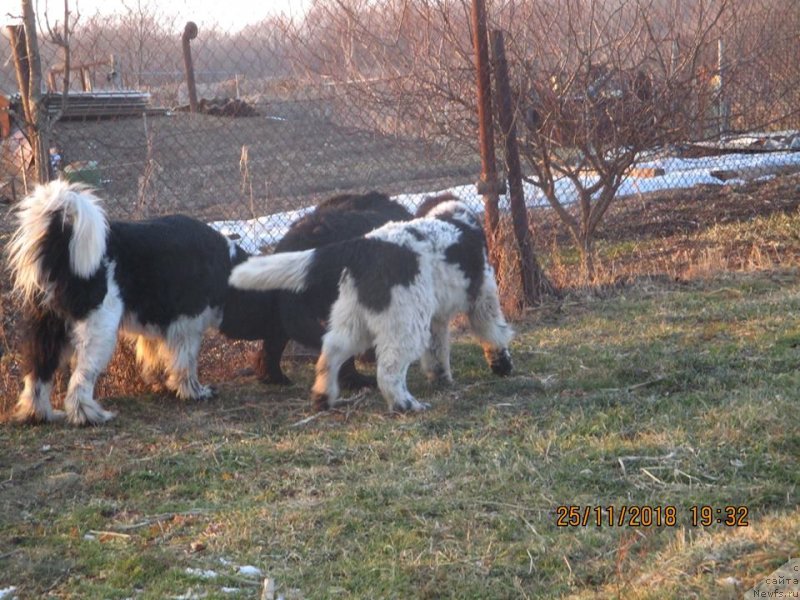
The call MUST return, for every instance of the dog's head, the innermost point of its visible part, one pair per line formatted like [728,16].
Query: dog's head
[499,361]
[448,207]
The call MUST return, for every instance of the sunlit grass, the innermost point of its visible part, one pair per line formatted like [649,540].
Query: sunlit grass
[664,395]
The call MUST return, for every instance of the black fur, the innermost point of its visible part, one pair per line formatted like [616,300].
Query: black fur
[500,362]
[168,267]
[469,254]
[398,266]
[471,248]
[73,296]
[278,316]
[146,277]
[43,348]
[431,202]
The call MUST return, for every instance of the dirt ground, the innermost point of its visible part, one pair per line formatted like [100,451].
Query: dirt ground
[661,232]
[288,155]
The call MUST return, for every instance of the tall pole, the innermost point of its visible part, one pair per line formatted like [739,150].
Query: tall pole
[534,283]
[488,184]
[189,33]
[25,47]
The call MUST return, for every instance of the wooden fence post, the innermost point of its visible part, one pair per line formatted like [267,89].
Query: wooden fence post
[25,49]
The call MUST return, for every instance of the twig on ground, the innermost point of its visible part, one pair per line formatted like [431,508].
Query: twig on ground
[651,476]
[114,534]
[308,420]
[635,386]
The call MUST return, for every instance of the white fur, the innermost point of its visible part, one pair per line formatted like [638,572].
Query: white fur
[416,323]
[34,402]
[182,347]
[33,215]
[93,340]
[281,271]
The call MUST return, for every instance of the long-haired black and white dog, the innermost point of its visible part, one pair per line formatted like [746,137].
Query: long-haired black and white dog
[82,279]
[398,287]
[276,316]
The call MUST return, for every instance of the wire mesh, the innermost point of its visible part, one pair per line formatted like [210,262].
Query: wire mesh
[292,110]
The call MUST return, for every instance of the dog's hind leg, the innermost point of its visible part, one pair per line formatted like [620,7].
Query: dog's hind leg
[306,328]
[183,340]
[396,349]
[94,339]
[268,359]
[336,349]
[149,357]
[47,348]
[487,321]
[393,363]
[436,359]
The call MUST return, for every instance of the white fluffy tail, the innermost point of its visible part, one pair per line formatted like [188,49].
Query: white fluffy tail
[57,201]
[281,271]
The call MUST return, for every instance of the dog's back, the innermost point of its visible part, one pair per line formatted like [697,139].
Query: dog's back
[168,267]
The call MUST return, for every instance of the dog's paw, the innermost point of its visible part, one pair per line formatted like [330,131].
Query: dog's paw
[25,414]
[191,390]
[205,392]
[410,404]
[320,401]
[90,414]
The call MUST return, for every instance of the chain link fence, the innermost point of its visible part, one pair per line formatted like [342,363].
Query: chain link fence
[292,110]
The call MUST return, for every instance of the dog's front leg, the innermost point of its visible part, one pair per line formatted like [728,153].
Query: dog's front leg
[94,339]
[436,359]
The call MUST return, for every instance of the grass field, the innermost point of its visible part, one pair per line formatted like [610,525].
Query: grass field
[667,391]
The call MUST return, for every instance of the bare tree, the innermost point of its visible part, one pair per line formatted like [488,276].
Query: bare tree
[25,48]
[598,83]
[408,65]
[143,34]
[605,85]
[59,35]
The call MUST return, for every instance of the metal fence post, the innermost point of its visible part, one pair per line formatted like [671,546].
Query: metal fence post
[534,283]
[723,102]
[189,33]
[488,185]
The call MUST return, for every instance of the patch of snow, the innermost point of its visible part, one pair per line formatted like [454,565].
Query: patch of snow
[249,571]
[203,573]
[7,592]
[255,235]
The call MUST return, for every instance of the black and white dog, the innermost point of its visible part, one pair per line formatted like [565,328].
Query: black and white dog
[276,316]
[398,288]
[82,279]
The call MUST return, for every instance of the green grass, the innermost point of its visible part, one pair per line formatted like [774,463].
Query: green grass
[666,395]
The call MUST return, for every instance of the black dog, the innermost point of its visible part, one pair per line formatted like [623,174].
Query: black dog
[278,316]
